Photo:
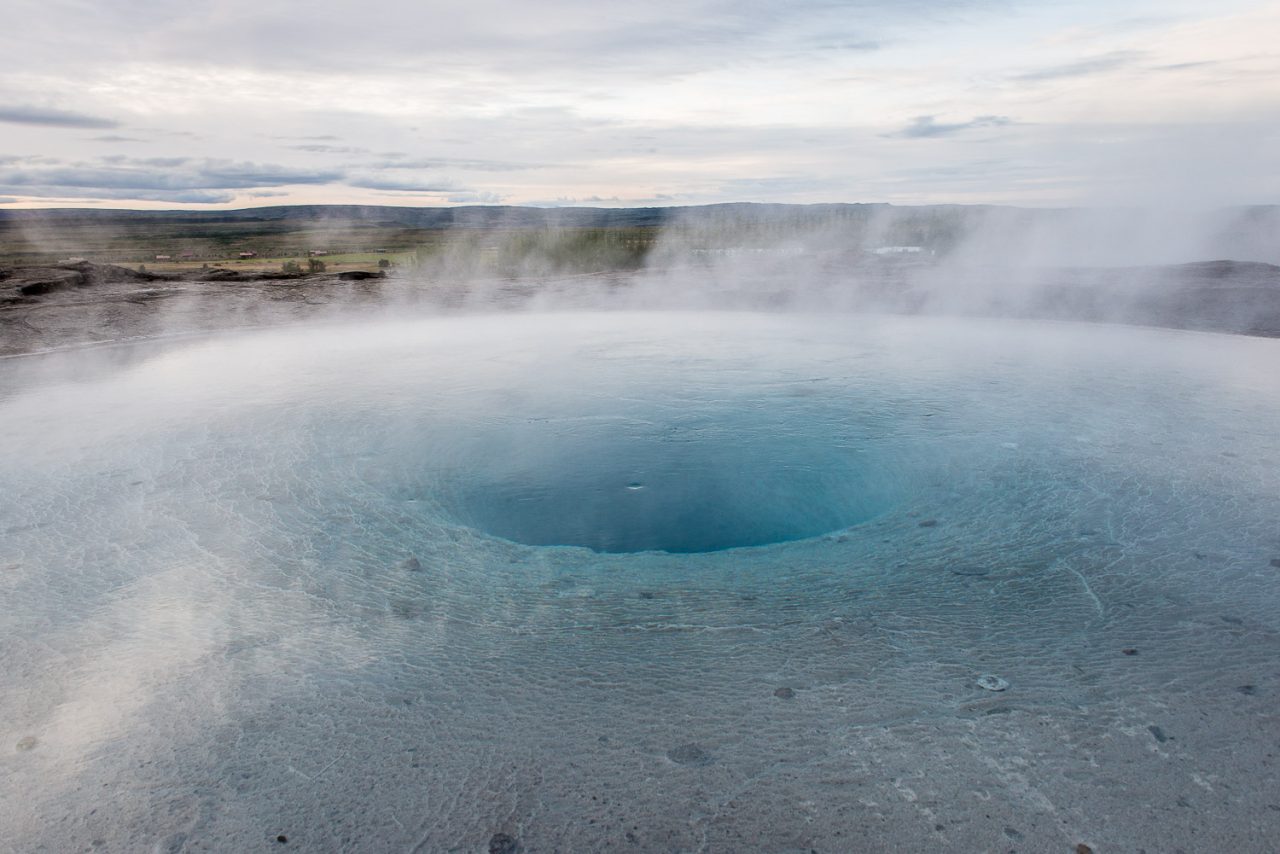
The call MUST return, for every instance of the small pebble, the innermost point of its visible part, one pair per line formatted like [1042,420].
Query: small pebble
[988,682]
[1129,651]
[689,754]
[1083,849]
[503,843]
[27,743]
[282,839]
[928,523]
[784,693]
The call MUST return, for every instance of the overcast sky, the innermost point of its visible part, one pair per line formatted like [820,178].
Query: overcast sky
[234,103]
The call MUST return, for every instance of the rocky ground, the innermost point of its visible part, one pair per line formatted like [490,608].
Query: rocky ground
[77,304]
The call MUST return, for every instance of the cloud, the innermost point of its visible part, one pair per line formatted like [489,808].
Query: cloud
[404,186]
[317,148]
[173,179]
[476,199]
[46,117]
[926,127]
[6,200]
[1083,68]
[181,197]
[463,164]
[114,138]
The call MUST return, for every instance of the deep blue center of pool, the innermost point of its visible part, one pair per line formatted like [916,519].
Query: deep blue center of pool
[703,488]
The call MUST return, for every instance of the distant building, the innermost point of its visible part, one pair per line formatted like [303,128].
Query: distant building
[248,254]
[319,252]
[164,257]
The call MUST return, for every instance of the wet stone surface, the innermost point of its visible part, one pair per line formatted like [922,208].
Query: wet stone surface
[503,843]
[689,754]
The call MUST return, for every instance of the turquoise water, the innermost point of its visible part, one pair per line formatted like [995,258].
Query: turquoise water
[418,583]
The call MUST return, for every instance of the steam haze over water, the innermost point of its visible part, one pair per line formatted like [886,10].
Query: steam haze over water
[674,426]
[234,104]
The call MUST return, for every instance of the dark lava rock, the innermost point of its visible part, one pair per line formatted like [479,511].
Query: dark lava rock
[784,693]
[1158,734]
[214,274]
[1129,651]
[37,281]
[113,274]
[647,594]
[929,523]
[503,843]
[411,564]
[1248,690]
[1083,849]
[689,754]
[360,275]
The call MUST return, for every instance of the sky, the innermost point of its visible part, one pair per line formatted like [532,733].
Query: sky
[239,103]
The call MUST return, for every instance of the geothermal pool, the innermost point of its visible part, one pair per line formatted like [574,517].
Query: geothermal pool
[676,582]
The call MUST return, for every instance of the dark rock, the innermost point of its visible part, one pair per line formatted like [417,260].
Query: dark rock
[646,594]
[929,523]
[970,571]
[1083,849]
[411,564]
[784,693]
[689,754]
[1248,690]
[1158,734]
[282,839]
[1129,651]
[38,281]
[360,275]
[214,274]
[503,843]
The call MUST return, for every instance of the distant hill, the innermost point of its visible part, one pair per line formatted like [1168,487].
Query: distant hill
[967,234]
[477,216]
